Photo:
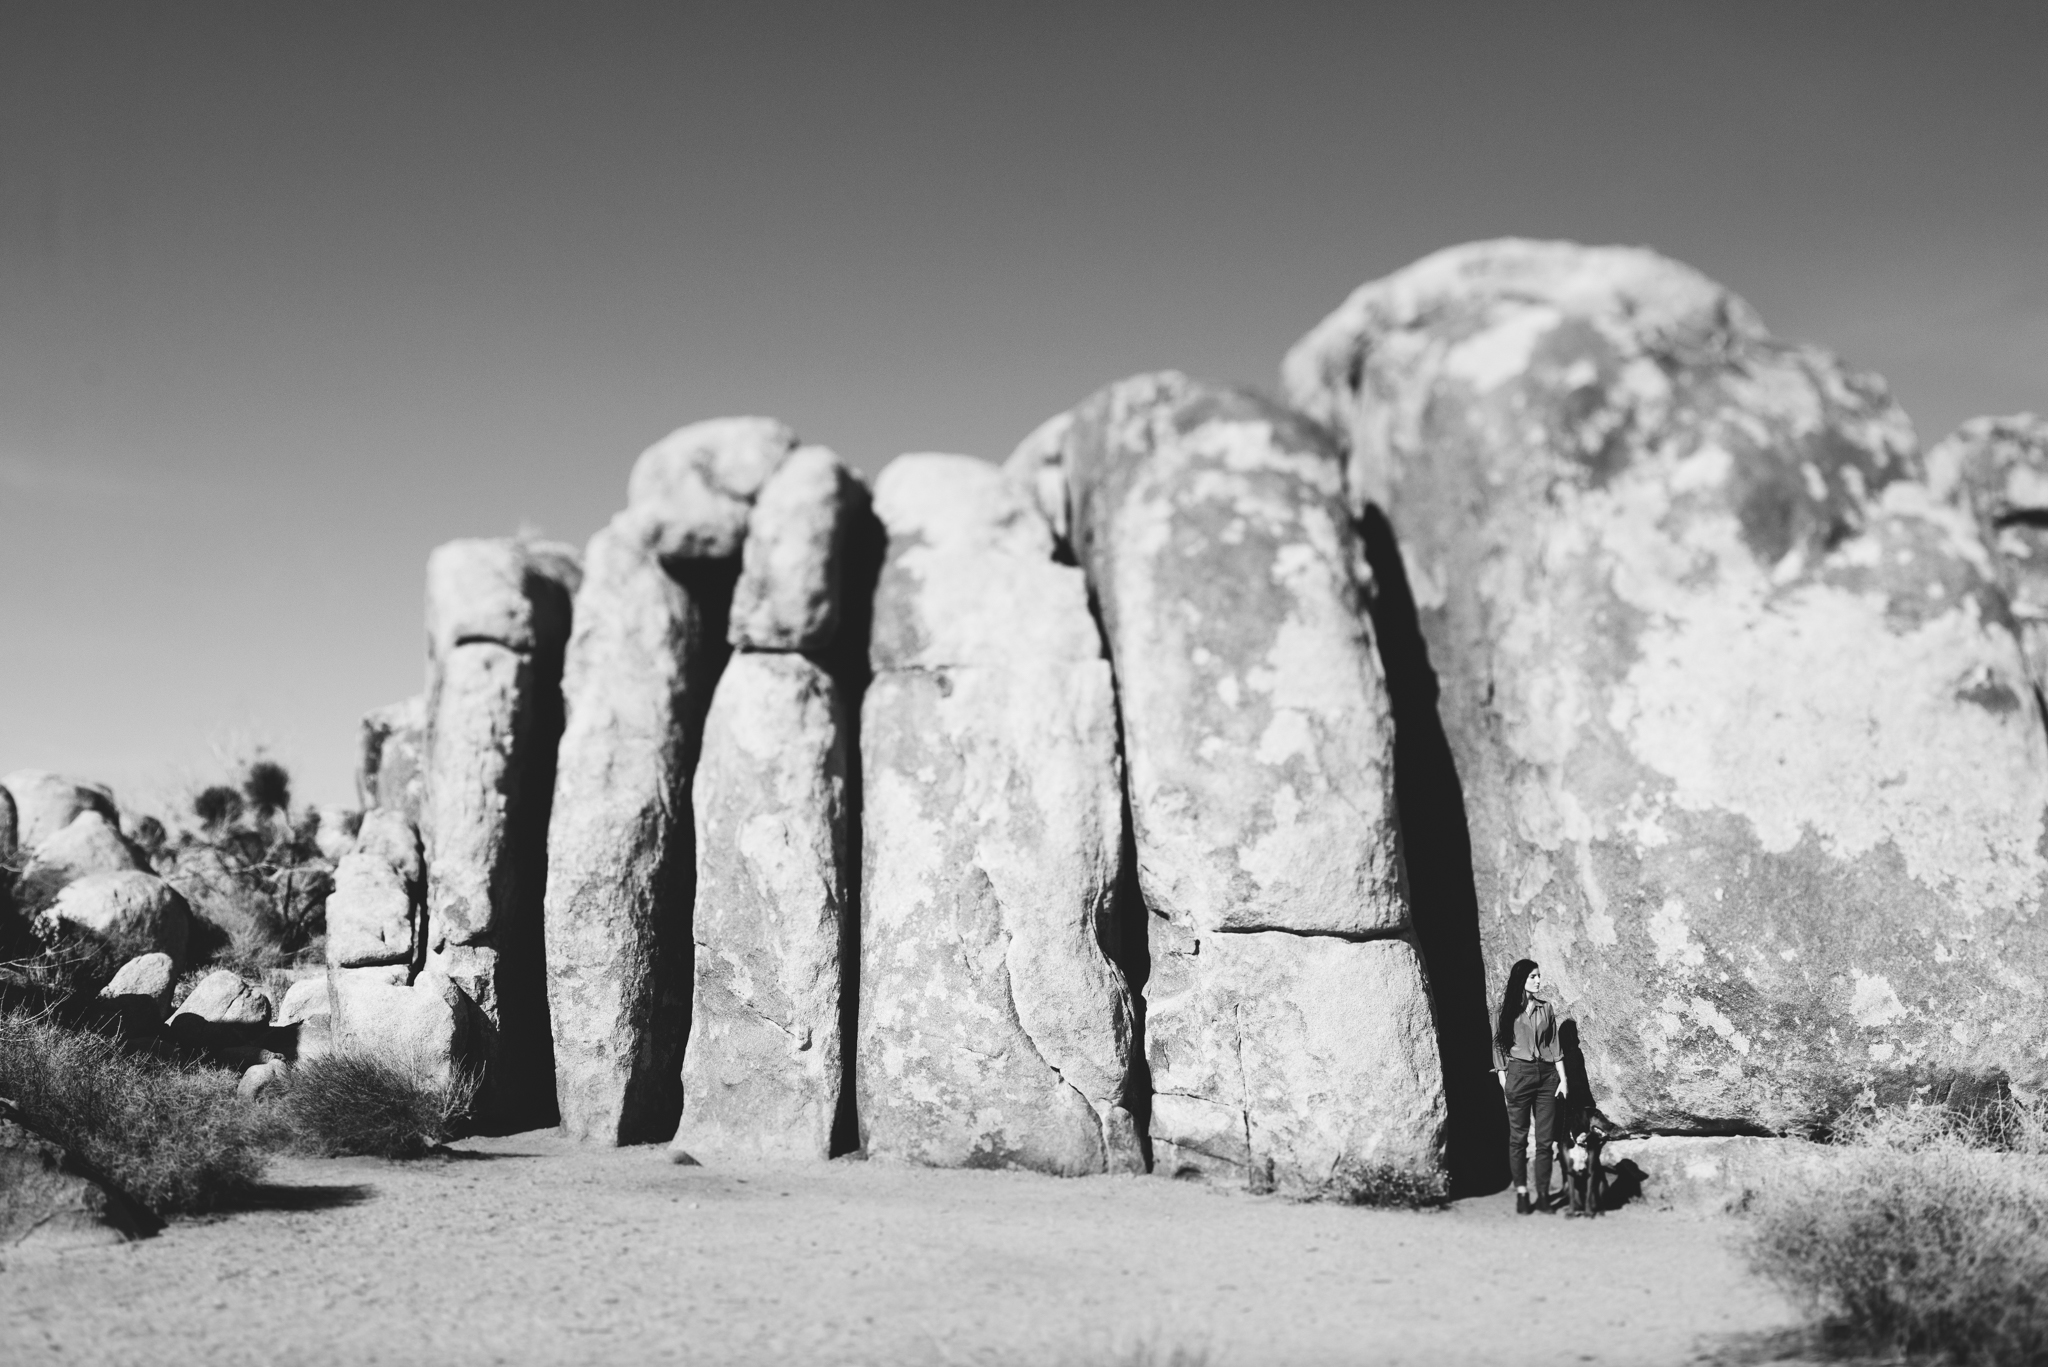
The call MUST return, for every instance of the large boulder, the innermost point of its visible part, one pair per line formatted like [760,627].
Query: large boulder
[791,567]
[497,622]
[145,980]
[762,1072]
[391,765]
[45,803]
[994,1029]
[640,667]
[1740,717]
[90,844]
[1259,739]
[695,487]
[224,998]
[392,836]
[425,1027]
[1996,469]
[128,910]
[10,829]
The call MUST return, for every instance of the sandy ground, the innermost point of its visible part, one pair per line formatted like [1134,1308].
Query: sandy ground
[530,1250]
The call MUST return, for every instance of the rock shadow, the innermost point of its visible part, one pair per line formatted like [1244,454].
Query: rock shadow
[1438,848]
[861,555]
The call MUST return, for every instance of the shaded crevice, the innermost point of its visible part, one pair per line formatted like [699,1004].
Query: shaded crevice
[1126,938]
[653,1102]
[1437,846]
[846,660]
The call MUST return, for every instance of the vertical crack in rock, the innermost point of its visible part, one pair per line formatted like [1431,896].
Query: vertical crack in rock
[1443,906]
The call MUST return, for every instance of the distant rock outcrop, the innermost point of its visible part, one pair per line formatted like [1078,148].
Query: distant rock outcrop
[1747,744]
[994,1029]
[1288,1022]
[129,910]
[45,803]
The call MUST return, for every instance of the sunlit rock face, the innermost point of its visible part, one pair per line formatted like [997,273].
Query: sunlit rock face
[1288,1025]
[762,1068]
[1741,719]
[995,1031]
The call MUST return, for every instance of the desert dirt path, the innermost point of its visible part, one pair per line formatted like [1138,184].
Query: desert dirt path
[530,1250]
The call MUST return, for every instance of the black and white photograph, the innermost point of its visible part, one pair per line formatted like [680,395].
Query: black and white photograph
[908,683]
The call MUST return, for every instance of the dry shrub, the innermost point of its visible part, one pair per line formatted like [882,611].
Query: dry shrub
[361,1104]
[1929,1236]
[173,1135]
[1384,1185]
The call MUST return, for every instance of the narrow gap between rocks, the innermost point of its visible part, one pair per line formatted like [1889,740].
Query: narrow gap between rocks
[526,1044]
[653,1104]
[1437,846]
[1125,935]
[847,662]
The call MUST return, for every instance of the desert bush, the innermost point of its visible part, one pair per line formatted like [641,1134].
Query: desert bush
[172,1134]
[1929,1236]
[359,1104]
[1381,1184]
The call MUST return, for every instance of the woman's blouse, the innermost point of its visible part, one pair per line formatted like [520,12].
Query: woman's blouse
[1535,1037]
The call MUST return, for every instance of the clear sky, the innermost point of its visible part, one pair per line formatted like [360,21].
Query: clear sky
[289,293]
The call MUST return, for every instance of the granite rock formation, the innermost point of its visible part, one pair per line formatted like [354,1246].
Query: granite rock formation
[1288,1024]
[1741,719]
[995,1030]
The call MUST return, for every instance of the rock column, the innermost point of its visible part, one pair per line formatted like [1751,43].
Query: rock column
[994,1029]
[497,622]
[643,657]
[772,921]
[1288,1023]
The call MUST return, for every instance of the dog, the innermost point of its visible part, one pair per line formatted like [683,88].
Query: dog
[1585,1180]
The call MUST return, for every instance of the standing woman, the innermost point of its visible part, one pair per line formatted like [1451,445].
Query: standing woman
[1530,1066]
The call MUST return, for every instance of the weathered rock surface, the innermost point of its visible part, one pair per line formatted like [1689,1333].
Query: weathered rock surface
[392,836]
[391,772]
[1257,729]
[1304,1062]
[46,803]
[90,844]
[224,998]
[694,488]
[372,914]
[994,1029]
[1741,722]
[425,1026]
[10,829]
[497,622]
[306,998]
[128,910]
[334,833]
[762,1069]
[145,978]
[788,593]
[639,670]
[53,1198]
[1996,469]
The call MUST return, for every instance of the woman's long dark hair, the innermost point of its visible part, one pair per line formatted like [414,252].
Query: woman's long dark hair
[1511,1003]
